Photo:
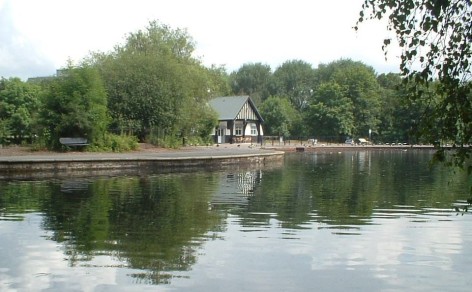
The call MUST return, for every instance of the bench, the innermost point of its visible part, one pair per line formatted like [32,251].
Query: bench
[73,142]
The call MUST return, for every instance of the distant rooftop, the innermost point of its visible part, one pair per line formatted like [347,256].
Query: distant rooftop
[59,73]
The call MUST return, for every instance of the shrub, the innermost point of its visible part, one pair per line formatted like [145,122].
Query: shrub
[114,143]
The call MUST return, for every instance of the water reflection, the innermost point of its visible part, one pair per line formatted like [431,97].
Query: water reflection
[373,215]
[149,223]
[236,188]
[351,188]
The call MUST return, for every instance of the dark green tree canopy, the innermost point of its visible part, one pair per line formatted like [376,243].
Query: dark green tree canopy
[253,80]
[295,80]
[359,84]
[331,112]
[19,104]
[154,82]
[279,115]
[75,105]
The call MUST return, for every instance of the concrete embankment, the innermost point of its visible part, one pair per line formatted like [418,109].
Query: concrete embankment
[68,164]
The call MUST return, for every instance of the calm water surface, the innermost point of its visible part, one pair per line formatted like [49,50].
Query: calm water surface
[350,221]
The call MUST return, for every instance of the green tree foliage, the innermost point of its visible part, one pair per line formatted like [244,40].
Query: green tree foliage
[399,117]
[19,105]
[435,37]
[5,132]
[153,82]
[359,84]
[393,109]
[75,105]
[295,80]
[158,91]
[331,112]
[217,80]
[252,79]
[142,94]
[279,115]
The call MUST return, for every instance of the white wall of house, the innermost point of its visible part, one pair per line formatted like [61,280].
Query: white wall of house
[251,129]
[223,132]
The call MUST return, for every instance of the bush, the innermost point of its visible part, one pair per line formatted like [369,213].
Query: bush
[114,143]
[176,141]
[168,141]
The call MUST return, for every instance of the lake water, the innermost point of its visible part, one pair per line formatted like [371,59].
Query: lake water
[328,221]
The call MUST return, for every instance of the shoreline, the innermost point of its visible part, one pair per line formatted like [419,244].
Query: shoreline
[330,147]
[19,162]
[17,150]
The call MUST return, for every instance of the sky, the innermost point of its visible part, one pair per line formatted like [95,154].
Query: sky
[38,37]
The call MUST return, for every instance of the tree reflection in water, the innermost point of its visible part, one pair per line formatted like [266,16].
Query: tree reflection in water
[148,223]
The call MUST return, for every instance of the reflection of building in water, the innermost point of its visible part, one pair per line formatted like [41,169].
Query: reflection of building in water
[236,188]
[247,181]
[363,160]
[74,185]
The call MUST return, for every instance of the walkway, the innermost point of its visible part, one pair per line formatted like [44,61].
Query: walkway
[53,163]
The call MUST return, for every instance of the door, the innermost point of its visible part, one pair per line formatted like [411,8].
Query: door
[221,135]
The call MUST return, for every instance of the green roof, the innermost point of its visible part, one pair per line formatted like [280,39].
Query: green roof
[228,107]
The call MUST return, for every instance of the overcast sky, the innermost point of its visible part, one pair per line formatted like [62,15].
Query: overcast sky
[39,36]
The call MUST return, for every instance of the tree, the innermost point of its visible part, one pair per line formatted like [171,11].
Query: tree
[295,80]
[253,80]
[144,79]
[279,116]
[217,81]
[435,37]
[155,85]
[393,107]
[75,105]
[359,84]
[399,117]
[5,132]
[19,105]
[330,114]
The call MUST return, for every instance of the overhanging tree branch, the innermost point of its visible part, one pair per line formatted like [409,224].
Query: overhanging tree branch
[435,37]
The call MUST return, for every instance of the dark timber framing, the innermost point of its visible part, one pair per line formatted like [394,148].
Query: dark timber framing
[239,120]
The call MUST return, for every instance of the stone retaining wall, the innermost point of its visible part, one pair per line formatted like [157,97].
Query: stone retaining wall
[111,166]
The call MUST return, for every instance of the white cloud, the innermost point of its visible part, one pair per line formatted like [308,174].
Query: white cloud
[18,53]
[226,32]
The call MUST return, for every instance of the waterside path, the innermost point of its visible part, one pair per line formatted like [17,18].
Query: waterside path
[47,164]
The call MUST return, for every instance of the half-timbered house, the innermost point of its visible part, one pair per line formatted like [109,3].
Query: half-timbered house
[239,120]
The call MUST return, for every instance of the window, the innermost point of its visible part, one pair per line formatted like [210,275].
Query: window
[253,130]
[238,131]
